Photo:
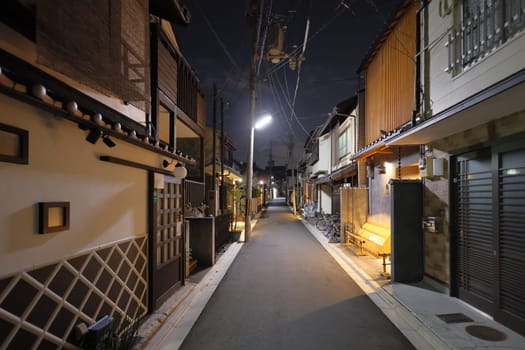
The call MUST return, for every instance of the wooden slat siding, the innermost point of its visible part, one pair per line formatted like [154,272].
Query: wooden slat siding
[167,73]
[354,209]
[389,95]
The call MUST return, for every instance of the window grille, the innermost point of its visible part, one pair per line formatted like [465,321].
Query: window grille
[484,26]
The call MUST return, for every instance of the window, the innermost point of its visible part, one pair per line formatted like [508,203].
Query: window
[346,142]
[166,126]
[482,26]
[14,144]
[343,143]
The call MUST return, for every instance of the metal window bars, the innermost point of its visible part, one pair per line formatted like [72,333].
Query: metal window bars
[485,26]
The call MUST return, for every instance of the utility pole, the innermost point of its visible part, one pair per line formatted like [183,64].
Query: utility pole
[292,163]
[270,166]
[222,194]
[254,16]
[213,191]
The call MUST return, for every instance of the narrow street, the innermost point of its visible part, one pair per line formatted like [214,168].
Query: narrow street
[284,291]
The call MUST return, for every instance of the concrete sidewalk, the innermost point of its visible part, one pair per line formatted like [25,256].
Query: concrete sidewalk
[412,309]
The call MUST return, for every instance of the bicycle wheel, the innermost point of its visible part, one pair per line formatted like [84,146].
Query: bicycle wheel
[328,230]
[321,224]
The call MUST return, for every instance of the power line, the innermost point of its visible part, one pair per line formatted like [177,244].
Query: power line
[217,37]
[279,104]
[288,102]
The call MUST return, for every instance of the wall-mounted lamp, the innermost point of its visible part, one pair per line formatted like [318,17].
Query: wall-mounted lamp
[94,135]
[108,142]
[179,171]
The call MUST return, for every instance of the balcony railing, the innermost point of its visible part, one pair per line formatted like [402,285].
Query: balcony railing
[485,26]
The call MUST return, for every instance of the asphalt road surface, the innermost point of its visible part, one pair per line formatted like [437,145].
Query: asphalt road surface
[284,291]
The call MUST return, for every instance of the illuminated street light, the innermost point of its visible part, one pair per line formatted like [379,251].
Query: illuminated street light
[262,122]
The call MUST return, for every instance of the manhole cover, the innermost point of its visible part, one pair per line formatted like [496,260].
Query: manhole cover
[455,318]
[485,333]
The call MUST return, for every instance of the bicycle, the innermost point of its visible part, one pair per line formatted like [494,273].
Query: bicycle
[323,220]
[331,221]
[334,233]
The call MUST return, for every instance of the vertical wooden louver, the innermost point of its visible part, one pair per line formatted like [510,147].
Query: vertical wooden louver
[390,79]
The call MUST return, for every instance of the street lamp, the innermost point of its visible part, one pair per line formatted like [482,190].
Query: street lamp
[265,120]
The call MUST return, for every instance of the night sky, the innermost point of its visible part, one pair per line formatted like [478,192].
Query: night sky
[217,44]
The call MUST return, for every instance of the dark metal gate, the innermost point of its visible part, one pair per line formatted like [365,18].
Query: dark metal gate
[489,240]
[166,248]
[474,223]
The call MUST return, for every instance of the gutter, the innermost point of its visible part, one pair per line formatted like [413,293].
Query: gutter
[417,88]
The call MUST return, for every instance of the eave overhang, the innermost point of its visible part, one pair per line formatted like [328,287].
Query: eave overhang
[345,171]
[501,99]
[19,79]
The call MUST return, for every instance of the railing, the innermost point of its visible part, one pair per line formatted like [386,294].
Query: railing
[194,193]
[485,26]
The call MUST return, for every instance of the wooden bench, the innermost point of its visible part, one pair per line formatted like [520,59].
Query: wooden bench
[384,256]
[356,240]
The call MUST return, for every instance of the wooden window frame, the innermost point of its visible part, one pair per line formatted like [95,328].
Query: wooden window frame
[23,145]
[43,220]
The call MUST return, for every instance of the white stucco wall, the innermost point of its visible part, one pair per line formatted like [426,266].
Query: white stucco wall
[325,154]
[447,90]
[108,202]
[325,198]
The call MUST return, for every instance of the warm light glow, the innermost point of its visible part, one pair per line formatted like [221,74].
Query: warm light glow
[261,182]
[390,169]
[265,120]
[180,171]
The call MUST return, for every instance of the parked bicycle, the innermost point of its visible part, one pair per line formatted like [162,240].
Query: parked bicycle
[323,220]
[334,232]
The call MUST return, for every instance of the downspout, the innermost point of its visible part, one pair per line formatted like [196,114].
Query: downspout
[417,102]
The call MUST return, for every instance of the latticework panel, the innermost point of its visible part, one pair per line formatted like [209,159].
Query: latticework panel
[39,308]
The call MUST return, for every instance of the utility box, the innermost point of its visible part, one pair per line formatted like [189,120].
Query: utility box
[431,167]
[406,231]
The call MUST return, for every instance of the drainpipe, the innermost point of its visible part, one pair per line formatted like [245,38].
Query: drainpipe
[417,102]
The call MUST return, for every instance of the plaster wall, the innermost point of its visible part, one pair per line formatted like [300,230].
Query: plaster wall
[436,204]
[325,198]
[108,202]
[325,155]
[379,188]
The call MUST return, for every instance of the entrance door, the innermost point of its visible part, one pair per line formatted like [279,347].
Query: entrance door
[489,239]
[474,229]
[166,248]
